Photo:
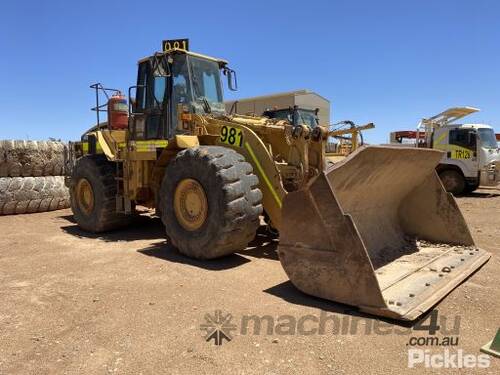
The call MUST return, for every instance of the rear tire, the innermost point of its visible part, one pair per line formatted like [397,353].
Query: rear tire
[210,203]
[93,195]
[453,181]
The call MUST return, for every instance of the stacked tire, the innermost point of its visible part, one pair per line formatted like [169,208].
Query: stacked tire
[31,177]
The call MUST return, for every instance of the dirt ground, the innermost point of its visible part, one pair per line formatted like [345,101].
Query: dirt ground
[127,303]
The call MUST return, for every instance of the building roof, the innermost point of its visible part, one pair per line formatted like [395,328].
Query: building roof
[280,94]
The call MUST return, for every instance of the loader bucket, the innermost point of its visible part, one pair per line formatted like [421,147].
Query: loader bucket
[378,231]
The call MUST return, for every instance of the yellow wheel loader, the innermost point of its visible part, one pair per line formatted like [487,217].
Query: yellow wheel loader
[375,230]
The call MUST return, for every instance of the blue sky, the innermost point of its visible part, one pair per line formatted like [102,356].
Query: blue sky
[390,62]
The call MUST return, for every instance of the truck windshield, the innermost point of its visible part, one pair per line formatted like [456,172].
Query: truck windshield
[206,83]
[487,137]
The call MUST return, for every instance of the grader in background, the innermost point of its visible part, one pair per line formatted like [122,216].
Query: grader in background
[348,232]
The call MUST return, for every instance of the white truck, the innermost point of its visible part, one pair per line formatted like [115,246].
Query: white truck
[471,153]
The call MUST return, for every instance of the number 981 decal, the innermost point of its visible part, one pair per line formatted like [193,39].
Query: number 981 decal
[231,136]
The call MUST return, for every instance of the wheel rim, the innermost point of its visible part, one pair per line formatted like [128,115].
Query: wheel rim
[190,204]
[85,196]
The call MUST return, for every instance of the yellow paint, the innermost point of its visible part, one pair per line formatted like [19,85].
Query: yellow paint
[263,174]
[457,152]
[186,141]
[105,147]
[85,148]
[231,136]
[461,153]
[190,204]
[144,146]
[440,139]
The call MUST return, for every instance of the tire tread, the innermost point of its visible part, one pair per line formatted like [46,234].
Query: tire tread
[20,195]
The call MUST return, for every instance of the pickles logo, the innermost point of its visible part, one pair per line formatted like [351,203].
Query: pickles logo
[447,359]
[218,327]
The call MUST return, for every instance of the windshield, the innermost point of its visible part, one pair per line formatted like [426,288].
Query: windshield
[206,84]
[487,137]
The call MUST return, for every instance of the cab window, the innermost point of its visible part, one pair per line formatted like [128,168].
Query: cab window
[463,138]
[159,90]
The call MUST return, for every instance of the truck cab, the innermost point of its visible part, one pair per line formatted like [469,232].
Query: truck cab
[471,156]
[470,149]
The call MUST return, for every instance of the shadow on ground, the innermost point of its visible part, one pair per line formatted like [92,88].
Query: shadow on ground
[142,228]
[151,228]
[482,194]
[290,294]
[263,246]
[163,250]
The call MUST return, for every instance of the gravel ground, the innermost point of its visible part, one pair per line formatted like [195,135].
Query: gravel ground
[127,303]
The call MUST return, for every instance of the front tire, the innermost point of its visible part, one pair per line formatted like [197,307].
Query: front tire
[453,181]
[210,203]
[471,187]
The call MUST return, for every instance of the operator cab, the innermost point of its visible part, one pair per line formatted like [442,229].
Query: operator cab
[174,79]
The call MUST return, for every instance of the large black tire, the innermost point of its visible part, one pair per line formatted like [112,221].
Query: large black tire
[31,158]
[232,195]
[22,195]
[470,187]
[453,181]
[100,175]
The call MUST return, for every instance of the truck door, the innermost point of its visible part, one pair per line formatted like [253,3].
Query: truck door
[463,150]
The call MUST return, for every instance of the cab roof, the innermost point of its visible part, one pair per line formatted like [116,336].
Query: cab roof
[474,126]
[221,62]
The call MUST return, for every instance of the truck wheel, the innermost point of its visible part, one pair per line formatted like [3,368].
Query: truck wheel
[93,195]
[209,202]
[469,188]
[24,195]
[452,181]
[31,158]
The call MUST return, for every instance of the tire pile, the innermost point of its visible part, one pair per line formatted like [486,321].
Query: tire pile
[31,177]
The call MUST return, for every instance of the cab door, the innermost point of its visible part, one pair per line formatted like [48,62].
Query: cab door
[148,119]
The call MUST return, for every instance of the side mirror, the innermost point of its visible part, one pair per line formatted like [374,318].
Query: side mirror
[132,103]
[232,82]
